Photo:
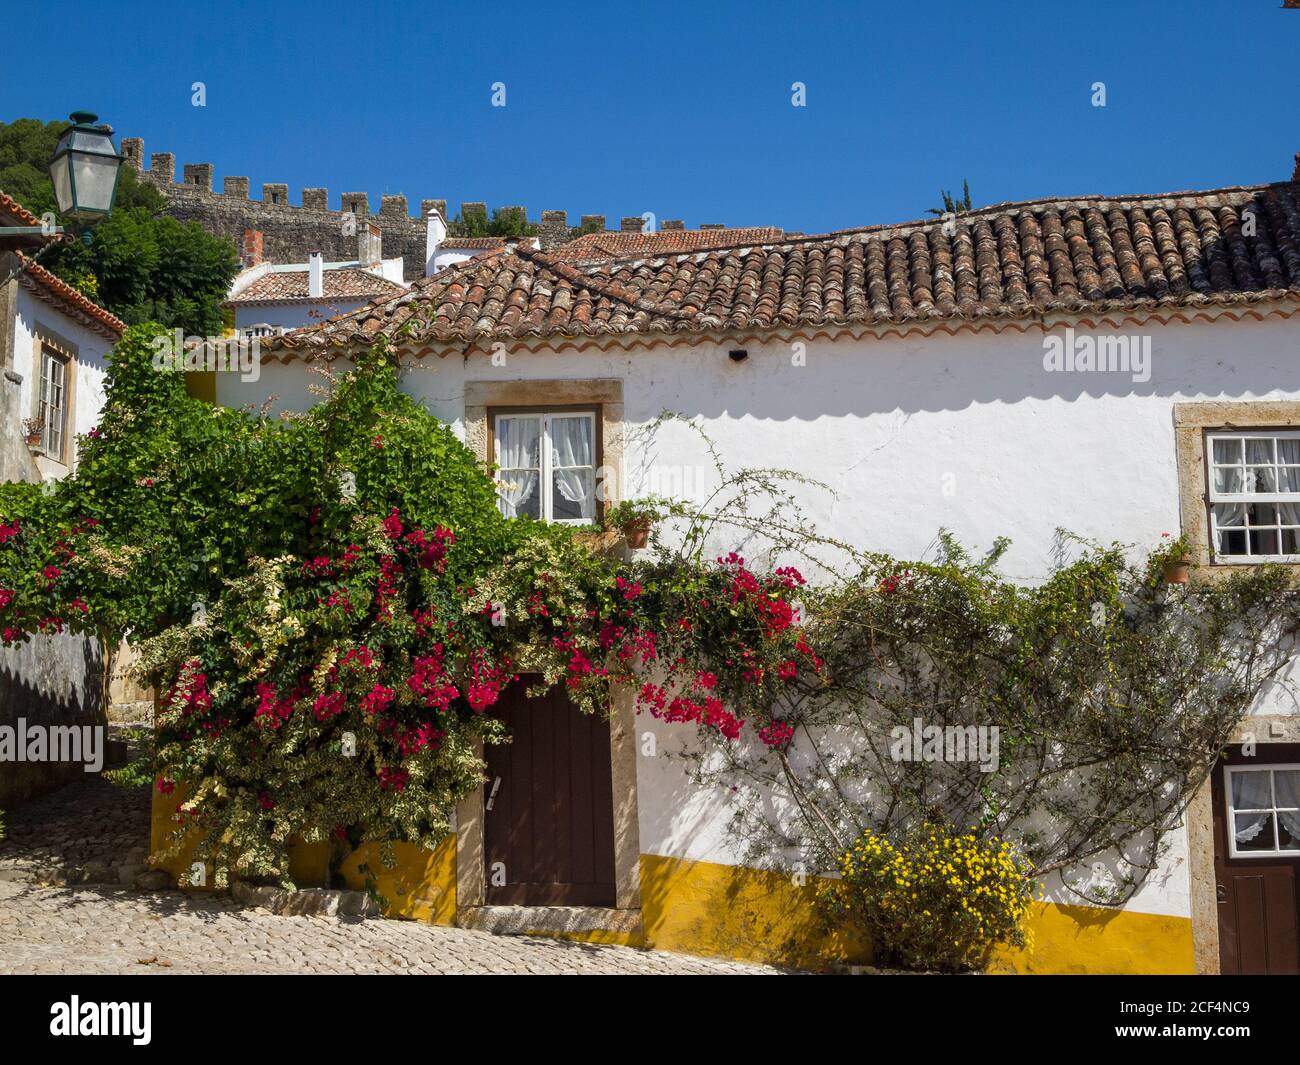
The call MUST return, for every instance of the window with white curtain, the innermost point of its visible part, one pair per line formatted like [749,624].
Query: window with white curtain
[1254,495]
[53,410]
[1263,810]
[547,465]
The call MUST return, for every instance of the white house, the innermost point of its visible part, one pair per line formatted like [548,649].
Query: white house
[1113,365]
[442,250]
[269,298]
[54,344]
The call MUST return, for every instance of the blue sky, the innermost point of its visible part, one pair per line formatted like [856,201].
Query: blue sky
[684,110]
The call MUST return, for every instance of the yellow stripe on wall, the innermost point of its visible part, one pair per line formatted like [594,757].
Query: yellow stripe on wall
[745,914]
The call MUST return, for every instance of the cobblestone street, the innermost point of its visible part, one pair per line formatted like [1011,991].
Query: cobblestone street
[116,930]
[67,905]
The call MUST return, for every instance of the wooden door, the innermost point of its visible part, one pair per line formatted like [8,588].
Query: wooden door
[1258,895]
[549,821]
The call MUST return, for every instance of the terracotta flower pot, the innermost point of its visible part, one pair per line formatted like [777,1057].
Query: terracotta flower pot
[1176,570]
[34,439]
[637,533]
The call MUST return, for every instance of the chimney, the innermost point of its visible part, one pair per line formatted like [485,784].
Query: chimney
[370,244]
[250,248]
[1295,175]
[315,276]
[631,224]
[672,223]
[435,234]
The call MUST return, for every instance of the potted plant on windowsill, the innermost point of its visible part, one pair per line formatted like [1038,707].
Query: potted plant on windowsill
[633,518]
[34,431]
[1174,561]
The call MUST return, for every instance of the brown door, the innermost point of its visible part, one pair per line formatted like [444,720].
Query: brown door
[1258,901]
[549,825]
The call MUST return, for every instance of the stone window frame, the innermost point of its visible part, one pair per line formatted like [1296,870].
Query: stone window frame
[598,443]
[1192,422]
[484,399]
[43,339]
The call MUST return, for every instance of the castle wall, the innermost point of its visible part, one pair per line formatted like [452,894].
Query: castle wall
[293,231]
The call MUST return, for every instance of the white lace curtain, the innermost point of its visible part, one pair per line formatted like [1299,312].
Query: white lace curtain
[1255,791]
[520,449]
[572,461]
[1286,792]
[1261,474]
[1251,791]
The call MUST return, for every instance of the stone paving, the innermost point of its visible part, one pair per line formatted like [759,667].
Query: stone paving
[67,905]
[116,930]
[86,832]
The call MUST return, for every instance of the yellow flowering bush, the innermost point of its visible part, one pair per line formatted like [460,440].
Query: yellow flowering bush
[936,899]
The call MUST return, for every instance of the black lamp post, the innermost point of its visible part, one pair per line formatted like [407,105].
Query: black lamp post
[85,170]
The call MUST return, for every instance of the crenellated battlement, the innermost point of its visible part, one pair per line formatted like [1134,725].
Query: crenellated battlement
[293,231]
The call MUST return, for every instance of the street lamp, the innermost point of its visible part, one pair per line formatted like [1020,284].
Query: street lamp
[85,172]
[85,169]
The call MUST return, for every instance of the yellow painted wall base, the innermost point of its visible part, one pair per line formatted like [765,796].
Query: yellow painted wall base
[420,887]
[744,914]
[1082,939]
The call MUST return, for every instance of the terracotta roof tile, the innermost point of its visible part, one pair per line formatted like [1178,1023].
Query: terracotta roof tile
[57,292]
[291,286]
[474,243]
[10,206]
[619,245]
[1012,261]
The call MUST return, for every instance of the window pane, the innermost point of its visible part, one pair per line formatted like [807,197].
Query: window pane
[1288,479]
[1259,452]
[1251,790]
[1286,787]
[1288,451]
[1260,479]
[519,443]
[1227,451]
[1263,542]
[1229,479]
[1288,830]
[1254,832]
[1261,513]
[571,443]
[573,494]
[1290,542]
[518,494]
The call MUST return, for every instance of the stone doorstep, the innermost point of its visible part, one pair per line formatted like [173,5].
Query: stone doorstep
[547,920]
[306,902]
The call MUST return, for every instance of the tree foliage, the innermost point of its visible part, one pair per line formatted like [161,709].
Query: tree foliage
[140,263]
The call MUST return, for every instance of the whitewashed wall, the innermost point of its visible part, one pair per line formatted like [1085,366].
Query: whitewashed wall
[967,432]
[92,367]
[293,315]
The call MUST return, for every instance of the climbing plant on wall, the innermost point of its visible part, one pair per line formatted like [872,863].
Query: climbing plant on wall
[330,605]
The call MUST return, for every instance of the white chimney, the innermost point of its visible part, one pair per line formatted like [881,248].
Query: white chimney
[370,244]
[434,236]
[315,276]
